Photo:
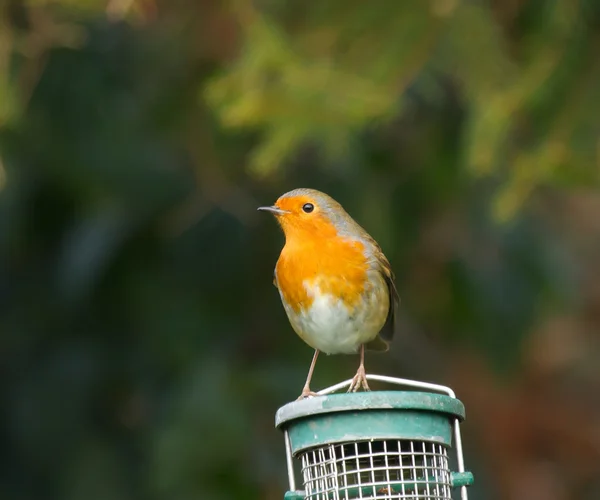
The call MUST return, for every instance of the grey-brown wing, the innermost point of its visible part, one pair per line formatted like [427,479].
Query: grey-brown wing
[381,342]
[387,331]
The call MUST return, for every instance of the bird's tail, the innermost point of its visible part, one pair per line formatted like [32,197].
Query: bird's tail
[378,344]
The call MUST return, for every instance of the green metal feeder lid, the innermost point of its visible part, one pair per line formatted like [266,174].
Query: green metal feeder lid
[380,415]
[374,400]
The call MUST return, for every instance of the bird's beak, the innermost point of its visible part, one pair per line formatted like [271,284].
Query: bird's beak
[274,210]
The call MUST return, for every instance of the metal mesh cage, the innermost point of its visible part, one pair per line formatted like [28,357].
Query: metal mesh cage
[380,445]
[377,469]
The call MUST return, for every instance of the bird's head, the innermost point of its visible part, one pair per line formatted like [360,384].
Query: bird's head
[308,212]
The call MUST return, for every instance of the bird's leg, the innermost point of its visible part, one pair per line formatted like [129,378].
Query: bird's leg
[306,392]
[360,379]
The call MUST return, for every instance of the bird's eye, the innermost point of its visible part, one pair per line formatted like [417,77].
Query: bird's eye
[308,207]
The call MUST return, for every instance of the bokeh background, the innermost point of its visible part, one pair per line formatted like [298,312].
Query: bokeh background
[143,347]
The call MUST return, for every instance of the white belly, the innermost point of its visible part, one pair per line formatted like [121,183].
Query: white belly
[331,327]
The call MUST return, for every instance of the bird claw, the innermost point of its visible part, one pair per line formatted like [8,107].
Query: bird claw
[359,381]
[306,393]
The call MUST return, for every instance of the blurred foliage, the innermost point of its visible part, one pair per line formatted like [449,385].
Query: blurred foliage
[143,348]
[528,76]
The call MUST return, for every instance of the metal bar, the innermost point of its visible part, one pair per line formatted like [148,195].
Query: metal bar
[393,380]
[460,461]
[288,459]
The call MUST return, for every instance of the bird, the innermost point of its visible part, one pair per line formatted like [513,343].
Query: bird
[336,285]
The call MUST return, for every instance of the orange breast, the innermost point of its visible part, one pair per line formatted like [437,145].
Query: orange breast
[336,265]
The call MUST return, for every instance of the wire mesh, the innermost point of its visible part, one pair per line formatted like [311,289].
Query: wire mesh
[385,469]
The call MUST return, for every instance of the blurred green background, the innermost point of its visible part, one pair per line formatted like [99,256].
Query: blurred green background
[143,347]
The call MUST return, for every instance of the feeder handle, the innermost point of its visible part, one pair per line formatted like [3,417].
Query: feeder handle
[393,380]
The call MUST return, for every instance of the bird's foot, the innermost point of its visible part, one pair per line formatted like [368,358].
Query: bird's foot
[359,381]
[306,393]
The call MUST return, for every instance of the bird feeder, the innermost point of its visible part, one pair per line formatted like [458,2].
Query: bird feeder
[391,445]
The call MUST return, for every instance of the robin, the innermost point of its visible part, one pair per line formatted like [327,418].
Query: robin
[336,285]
